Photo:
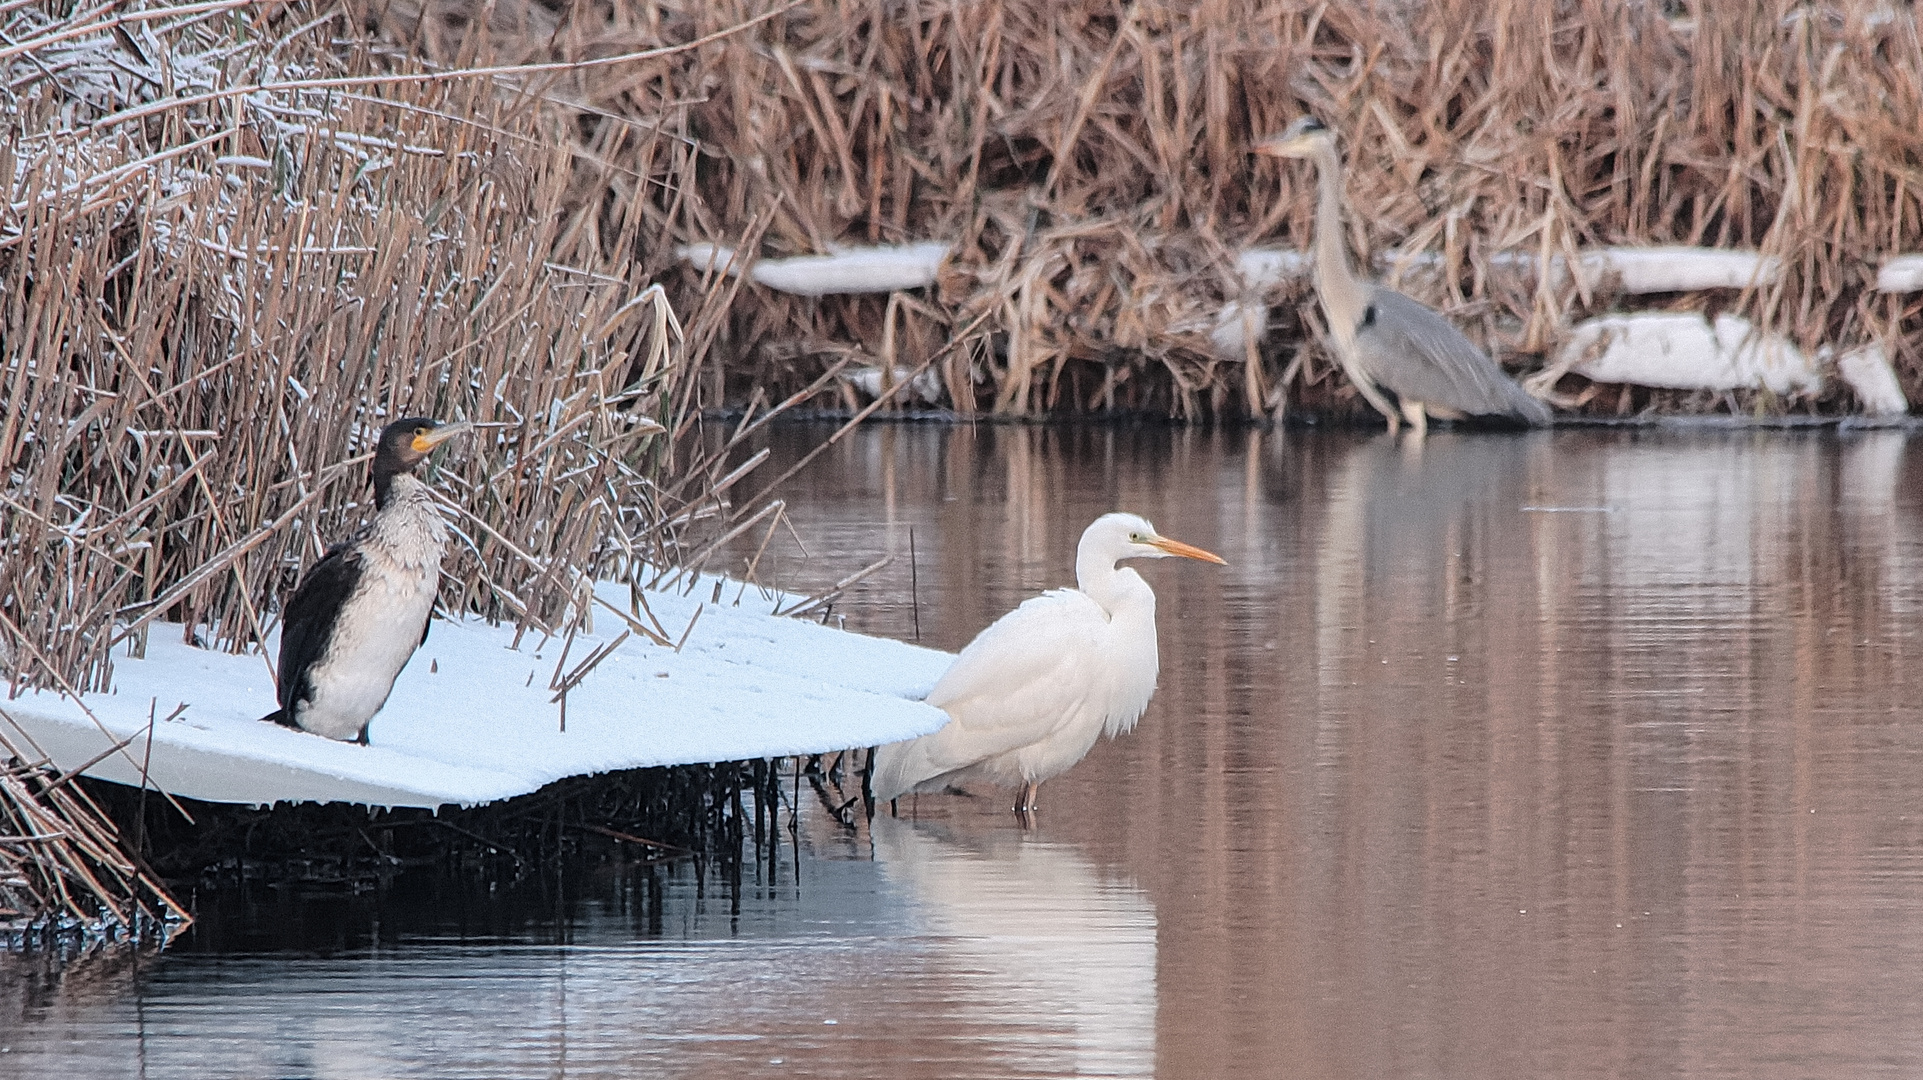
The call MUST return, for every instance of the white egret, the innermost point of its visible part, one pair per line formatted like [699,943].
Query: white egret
[1029,696]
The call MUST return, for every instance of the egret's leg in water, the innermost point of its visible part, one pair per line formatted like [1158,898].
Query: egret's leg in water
[1027,801]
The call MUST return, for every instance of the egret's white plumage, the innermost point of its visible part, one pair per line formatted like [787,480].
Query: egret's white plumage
[1031,694]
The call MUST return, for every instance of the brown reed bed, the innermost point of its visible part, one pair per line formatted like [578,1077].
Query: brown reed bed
[65,873]
[1089,161]
[213,297]
[235,243]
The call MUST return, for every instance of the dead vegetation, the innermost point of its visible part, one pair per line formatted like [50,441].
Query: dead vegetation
[64,871]
[239,237]
[1089,161]
[233,250]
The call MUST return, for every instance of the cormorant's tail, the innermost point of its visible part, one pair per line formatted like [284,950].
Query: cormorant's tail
[279,716]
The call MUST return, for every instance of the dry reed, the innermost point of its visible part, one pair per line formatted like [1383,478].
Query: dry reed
[64,870]
[239,237]
[212,299]
[1089,160]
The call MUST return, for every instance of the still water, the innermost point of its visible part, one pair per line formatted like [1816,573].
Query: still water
[1575,754]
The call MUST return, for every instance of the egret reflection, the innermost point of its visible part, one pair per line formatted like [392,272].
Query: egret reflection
[1037,939]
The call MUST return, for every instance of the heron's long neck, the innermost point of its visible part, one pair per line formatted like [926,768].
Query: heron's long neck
[1343,296]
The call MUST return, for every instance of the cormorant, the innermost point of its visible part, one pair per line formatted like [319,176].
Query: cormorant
[363,609]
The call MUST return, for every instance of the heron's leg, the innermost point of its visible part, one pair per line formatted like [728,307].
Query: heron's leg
[1395,422]
[1417,416]
[1027,801]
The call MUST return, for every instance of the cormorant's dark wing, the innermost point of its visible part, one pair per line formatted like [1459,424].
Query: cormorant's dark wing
[1413,351]
[309,619]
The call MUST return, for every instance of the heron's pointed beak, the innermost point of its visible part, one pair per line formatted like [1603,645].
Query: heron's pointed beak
[1187,551]
[434,438]
[1279,146]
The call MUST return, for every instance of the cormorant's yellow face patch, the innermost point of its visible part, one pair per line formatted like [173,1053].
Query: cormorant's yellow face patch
[422,444]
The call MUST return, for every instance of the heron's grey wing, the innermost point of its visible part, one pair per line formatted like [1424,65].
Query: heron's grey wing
[1412,350]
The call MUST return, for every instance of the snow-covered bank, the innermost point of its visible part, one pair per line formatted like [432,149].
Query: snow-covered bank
[472,720]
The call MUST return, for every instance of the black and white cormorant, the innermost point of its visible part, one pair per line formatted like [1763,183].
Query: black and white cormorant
[363,609]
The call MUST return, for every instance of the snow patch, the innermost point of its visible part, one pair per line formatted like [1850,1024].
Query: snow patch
[1265,267]
[1237,326]
[926,386]
[887,268]
[1901,274]
[1683,351]
[1638,270]
[1869,375]
[1677,269]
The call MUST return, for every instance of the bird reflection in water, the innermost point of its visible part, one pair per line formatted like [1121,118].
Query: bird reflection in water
[1038,939]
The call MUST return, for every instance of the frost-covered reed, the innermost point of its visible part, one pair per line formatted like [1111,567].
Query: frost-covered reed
[234,244]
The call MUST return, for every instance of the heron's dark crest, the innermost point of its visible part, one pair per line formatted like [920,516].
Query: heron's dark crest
[1296,140]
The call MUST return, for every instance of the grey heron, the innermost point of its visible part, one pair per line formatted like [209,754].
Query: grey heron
[1405,358]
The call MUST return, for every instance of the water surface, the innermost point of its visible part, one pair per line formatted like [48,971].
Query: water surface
[1584,754]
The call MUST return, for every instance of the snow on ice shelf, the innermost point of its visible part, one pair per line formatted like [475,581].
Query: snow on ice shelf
[472,721]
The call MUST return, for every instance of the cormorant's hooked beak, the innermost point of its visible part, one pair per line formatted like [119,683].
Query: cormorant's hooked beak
[426,442]
[1187,551]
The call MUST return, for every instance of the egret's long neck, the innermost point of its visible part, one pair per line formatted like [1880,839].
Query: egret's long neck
[1113,587]
[1343,297]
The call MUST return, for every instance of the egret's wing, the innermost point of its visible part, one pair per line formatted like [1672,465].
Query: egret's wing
[1412,350]
[1039,661]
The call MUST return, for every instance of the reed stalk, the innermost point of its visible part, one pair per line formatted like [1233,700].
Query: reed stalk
[1089,161]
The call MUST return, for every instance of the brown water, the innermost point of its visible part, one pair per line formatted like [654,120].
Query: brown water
[1585,754]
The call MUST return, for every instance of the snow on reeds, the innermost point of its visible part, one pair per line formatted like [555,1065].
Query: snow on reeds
[234,244]
[1090,163]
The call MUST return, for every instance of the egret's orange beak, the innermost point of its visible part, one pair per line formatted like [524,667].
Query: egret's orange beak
[1187,551]
[431,439]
